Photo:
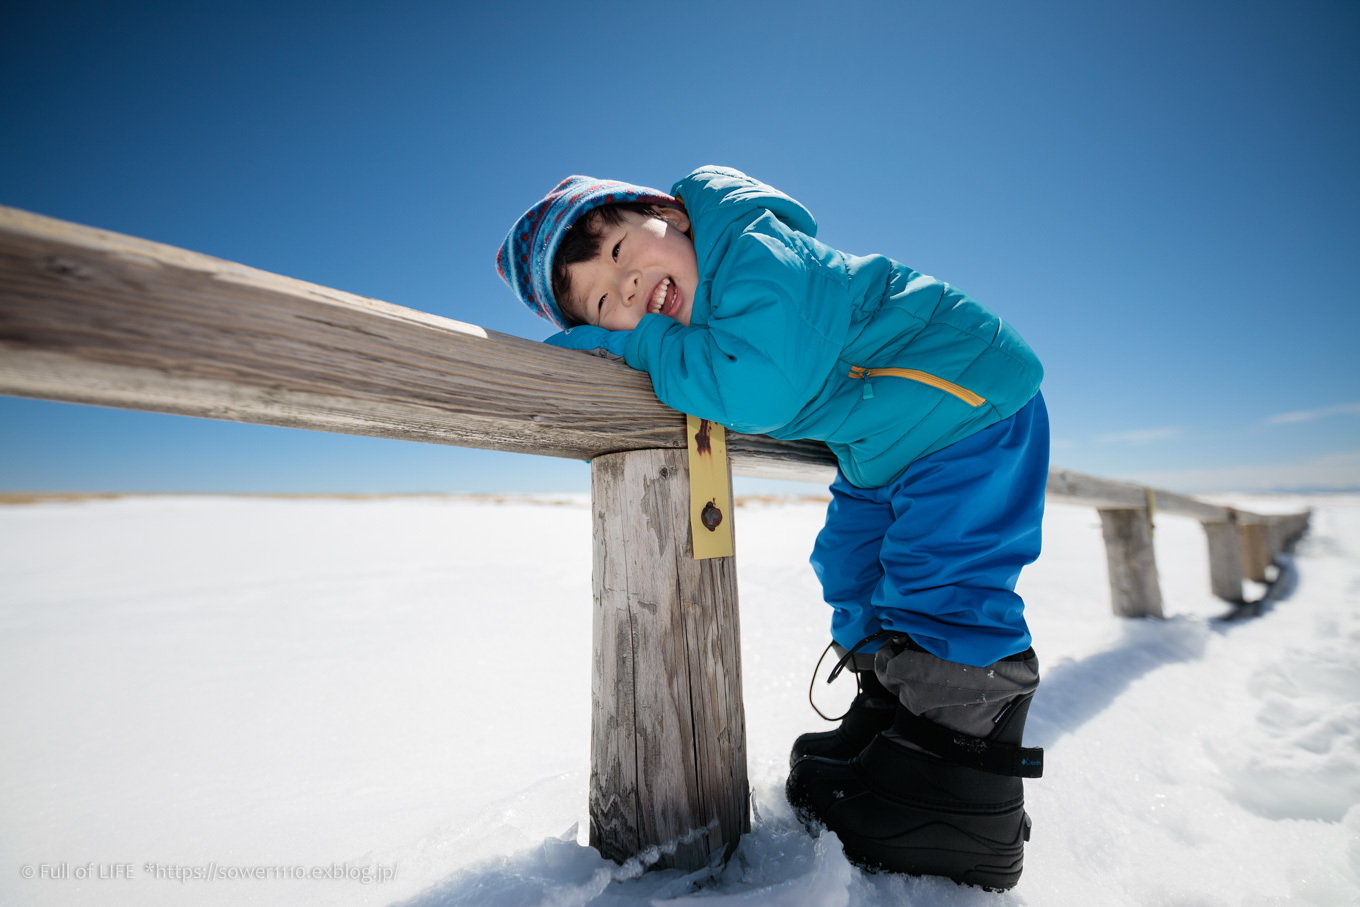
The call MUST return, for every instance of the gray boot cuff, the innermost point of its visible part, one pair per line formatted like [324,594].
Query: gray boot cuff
[962,697]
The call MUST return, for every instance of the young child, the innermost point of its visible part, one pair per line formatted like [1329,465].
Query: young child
[721,293]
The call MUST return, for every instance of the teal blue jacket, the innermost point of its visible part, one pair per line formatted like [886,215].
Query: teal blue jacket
[793,339]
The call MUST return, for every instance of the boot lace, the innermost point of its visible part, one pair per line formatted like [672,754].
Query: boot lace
[840,666]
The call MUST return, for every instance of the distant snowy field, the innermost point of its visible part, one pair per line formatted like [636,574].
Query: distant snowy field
[405,683]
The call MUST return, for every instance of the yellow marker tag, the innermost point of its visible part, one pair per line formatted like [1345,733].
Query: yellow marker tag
[710,497]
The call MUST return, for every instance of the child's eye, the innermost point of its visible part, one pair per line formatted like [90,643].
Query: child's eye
[616,249]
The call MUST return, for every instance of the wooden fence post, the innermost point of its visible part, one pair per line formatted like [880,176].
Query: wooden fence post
[1225,558]
[1291,528]
[1276,538]
[1134,591]
[668,729]
[1258,543]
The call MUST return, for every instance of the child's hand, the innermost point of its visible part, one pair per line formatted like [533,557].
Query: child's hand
[589,337]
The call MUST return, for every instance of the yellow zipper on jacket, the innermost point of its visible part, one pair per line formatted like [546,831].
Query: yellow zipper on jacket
[911,374]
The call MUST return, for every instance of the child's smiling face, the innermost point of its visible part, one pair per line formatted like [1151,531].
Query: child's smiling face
[646,264]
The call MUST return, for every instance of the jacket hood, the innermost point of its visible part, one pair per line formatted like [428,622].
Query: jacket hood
[720,196]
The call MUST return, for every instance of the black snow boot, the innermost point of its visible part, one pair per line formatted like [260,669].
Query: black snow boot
[940,791]
[869,713]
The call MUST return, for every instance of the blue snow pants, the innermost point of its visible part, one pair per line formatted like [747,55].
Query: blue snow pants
[936,552]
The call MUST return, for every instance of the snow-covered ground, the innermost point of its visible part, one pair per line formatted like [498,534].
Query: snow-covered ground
[402,686]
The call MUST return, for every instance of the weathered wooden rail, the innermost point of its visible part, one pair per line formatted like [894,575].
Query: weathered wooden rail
[88,316]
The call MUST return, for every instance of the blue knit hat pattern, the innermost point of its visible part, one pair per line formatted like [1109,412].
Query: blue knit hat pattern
[525,258]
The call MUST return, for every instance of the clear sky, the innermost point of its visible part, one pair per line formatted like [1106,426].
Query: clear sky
[1163,197]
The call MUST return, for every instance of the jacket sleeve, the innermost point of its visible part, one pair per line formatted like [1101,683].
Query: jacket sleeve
[771,339]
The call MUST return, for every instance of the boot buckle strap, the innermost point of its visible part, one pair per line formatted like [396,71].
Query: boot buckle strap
[967,750]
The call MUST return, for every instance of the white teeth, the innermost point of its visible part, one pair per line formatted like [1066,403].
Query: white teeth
[659,297]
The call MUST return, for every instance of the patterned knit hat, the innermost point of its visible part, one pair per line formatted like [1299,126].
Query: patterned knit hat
[525,258]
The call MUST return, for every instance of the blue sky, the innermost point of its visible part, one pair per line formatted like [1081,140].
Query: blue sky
[1162,197]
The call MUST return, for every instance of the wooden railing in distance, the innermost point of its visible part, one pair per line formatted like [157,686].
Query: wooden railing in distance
[88,316]
[1241,544]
